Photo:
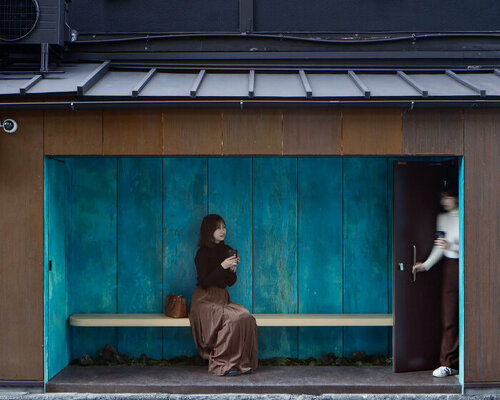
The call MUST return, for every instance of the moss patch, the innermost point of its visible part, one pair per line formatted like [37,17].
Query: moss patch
[110,357]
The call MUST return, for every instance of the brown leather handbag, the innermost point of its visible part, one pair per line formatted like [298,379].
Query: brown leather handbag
[176,306]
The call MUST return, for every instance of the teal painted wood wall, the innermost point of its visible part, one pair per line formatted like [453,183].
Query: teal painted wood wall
[313,235]
[57,335]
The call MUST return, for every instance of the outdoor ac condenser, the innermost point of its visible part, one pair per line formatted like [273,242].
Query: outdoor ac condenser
[34,22]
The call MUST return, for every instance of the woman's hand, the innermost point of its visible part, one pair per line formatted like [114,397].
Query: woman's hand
[418,267]
[230,262]
[233,268]
[443,243]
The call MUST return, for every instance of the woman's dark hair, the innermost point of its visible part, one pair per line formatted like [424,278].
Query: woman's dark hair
[208,226]
[451,191]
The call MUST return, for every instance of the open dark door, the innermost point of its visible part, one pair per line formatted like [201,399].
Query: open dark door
[417,303]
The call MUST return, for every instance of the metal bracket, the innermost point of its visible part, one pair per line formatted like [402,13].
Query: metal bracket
[44,58]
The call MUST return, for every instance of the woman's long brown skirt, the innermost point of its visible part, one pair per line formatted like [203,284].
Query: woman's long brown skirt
[224,333]
[449,338]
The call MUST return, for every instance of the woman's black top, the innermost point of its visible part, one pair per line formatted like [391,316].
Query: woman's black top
[208,264]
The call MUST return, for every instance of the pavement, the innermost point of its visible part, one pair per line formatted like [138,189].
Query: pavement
[156,396]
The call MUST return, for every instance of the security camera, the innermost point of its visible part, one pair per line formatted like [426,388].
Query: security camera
[9,126]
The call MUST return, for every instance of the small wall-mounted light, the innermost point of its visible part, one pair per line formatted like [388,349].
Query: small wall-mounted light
[9,125]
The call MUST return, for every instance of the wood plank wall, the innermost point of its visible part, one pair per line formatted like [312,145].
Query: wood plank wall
[21,249]
[273,206]
[203,132]
[255,132]
[482,244]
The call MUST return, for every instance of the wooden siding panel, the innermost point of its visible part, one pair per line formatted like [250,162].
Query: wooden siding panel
[256,132]
[320,251]
[140,251]
[134,132]
[372,132]
[230,195]
[275,250]
[184,206]
[193,132]
[92,259]
[482,238]
[433,132]
[21,249]
[73,133]
[365,250]
[312,132]
[57,354]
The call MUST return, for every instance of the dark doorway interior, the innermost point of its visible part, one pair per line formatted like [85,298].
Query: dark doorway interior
[417,298]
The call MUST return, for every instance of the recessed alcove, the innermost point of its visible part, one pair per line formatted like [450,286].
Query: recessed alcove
[314,235]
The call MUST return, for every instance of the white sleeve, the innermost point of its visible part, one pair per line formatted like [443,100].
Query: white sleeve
[434,257]
[437,252]
[454,247]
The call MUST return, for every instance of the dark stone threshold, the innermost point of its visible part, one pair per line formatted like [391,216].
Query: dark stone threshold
[4,383]
[265,380]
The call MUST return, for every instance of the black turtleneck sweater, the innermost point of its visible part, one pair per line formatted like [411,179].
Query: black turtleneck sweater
[208,265]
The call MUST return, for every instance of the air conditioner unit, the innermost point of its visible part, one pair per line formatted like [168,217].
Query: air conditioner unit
[34,22]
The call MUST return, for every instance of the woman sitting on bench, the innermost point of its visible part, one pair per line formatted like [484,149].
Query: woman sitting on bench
[225,333]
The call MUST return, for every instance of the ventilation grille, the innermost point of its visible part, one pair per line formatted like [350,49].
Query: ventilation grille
[18,18]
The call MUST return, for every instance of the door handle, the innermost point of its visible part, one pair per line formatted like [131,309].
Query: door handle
[414,262]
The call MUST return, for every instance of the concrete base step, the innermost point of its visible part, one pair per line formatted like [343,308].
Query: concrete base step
[265,380]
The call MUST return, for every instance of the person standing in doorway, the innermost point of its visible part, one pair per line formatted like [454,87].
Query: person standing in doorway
[446,246]
[225,333]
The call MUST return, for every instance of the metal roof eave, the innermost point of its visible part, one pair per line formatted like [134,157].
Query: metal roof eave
[96,82]
[244,104]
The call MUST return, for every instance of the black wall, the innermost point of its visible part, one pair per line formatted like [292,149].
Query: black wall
[348,16]
[154,16]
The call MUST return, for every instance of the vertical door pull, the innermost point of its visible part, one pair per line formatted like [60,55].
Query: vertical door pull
[414,262]
[50,265]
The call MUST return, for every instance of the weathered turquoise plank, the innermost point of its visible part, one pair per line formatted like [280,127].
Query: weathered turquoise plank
[275,250]
[140,251]
[390,207]
[277,342]
[230,195]
[184,206]
[46,190]
[92,259]
[56,207]
[461,287]
[365,250]
[320,251]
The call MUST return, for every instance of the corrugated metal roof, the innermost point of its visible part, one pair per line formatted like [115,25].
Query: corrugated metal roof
[91,81]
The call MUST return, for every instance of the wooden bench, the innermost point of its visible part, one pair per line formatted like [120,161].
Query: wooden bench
[161,320]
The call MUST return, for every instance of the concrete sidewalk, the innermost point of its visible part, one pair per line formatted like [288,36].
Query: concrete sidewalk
[155,396]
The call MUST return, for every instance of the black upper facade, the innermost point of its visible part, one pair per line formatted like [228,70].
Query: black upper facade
[344,34]
[283,16]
